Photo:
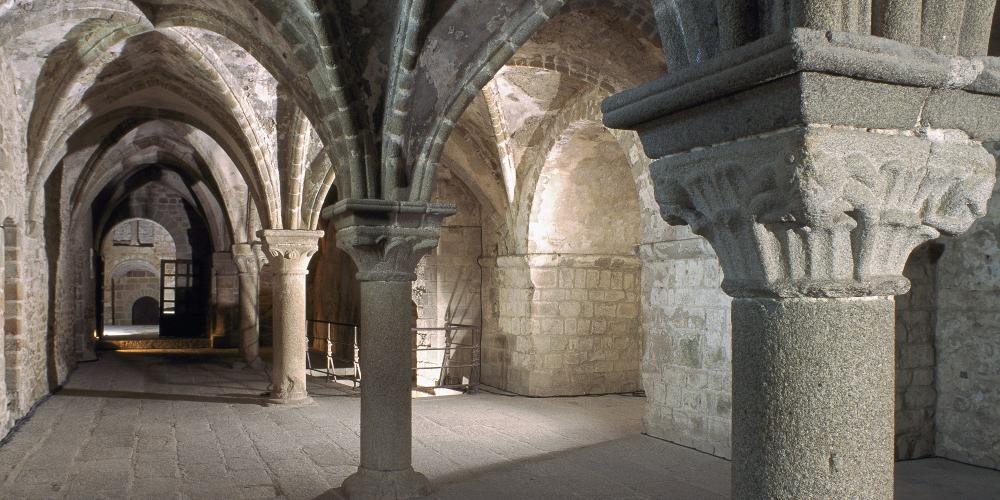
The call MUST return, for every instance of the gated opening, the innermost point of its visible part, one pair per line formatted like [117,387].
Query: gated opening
[184,296]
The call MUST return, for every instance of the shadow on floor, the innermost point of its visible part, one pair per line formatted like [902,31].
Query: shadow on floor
[222,398]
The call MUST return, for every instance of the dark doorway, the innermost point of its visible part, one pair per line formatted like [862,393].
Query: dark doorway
[146,311]
[184,297]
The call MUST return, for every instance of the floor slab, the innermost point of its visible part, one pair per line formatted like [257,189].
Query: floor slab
[187,425]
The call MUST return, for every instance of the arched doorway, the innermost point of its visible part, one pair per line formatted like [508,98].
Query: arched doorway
[132,253]
[146,311]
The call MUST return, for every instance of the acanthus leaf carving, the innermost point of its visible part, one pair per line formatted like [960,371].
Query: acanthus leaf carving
[821,211]
[289,251]
[387,239]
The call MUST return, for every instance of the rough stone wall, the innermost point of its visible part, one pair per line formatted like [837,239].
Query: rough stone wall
[168,209]
[5,420]
[27,321]
[687,362]
[120,289]
[127,290]
[26,279]
[686,324]
[567,325]
[29,364]
[14,317]
[916,397]
[450,279]
[448,287]
[967,344]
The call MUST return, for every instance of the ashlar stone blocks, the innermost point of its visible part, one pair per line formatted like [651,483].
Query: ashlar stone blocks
[568,324]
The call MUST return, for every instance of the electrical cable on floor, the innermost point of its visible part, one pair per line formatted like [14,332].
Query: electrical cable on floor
[23,420]
[500,392]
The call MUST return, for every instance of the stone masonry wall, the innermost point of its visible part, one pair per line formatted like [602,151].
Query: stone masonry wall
[14,309]
[5,420]
[687,362]
[687,354]
[160,204]
[916,397]
[568,324]
[967,344]
[120,260]
[448,288]
[26,280]
[127,290]
[448,292]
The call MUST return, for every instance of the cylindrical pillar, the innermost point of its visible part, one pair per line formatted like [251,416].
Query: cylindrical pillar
[289,252]
[385,345]
[385,350]
[248,267]
[813,397]
[249,328]
[386,239]
[288,367]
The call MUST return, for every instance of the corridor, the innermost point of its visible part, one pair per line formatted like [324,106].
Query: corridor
[184,424]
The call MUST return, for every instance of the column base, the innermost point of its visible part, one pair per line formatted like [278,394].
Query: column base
[257,364]
[303,401]
[385,485]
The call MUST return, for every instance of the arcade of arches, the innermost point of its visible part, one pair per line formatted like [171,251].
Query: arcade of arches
[774,220]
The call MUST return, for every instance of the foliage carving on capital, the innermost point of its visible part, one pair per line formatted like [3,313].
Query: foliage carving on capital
[825,212]
[289,251]
[248,257]
[387,239]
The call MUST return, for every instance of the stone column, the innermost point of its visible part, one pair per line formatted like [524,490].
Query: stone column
[248,265]
[289,252]
[814,163]
[224,300]
[386,240]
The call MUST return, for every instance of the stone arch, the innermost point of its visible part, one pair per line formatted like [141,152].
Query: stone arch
[96,28]
[193,153]
[235,119]
[181,229]
[324,99]
[584,199]
[584,111]
[132,268]
[583,290]
[499,51]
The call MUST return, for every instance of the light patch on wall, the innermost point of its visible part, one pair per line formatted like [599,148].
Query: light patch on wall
[585,200]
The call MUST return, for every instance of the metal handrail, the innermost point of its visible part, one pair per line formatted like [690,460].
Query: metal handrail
[450,346]
[475,365]
[335,323]
[331,367]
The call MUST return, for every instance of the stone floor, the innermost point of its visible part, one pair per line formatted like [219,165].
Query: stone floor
[185,425]
[132,331]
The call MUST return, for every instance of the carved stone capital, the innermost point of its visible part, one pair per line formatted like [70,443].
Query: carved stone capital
[386,239]
[247,257]
[820,211]
[289,251]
